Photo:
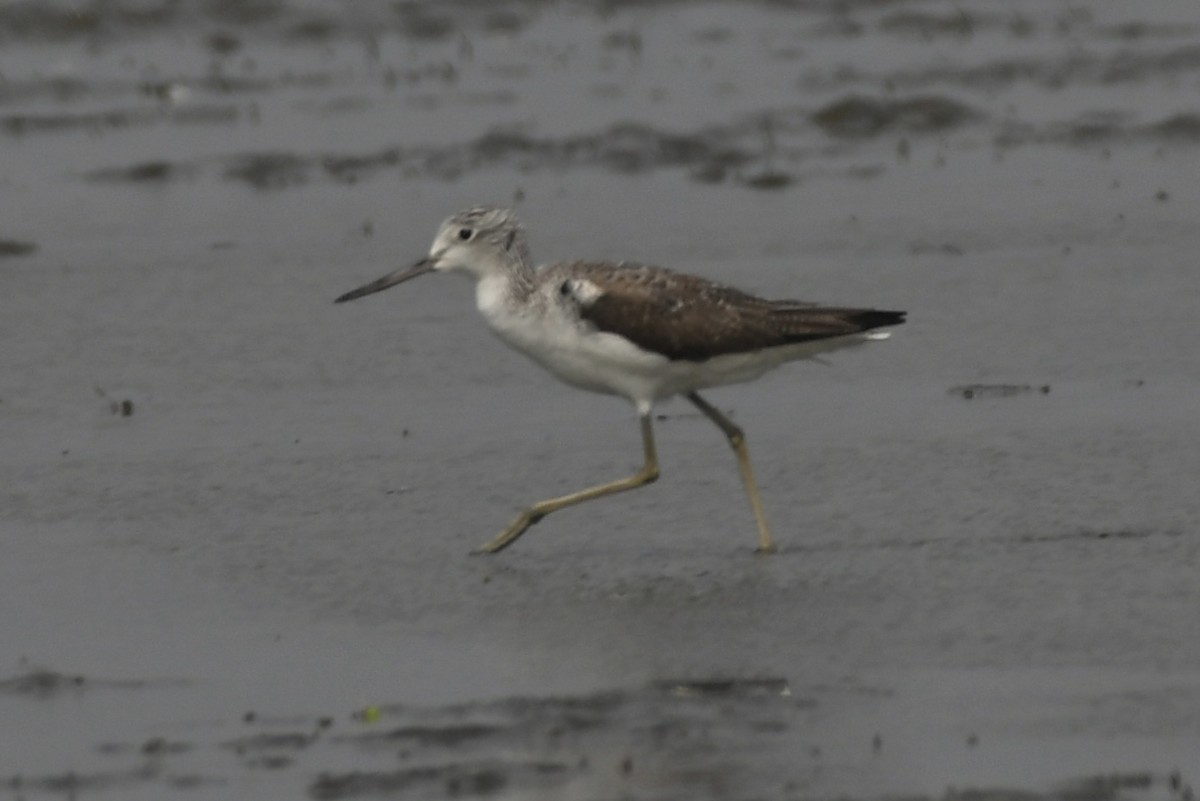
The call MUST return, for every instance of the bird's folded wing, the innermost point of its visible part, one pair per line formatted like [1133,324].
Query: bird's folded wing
[687,318]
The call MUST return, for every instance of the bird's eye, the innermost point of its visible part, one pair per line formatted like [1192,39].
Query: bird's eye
[465,233]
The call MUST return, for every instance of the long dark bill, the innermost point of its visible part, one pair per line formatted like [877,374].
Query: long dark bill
[391,279]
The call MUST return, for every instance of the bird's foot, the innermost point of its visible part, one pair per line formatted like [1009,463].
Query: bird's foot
[509,535]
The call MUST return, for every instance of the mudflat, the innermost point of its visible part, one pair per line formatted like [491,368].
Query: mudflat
[235,519]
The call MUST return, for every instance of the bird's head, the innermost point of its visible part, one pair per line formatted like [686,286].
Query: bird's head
[481,241]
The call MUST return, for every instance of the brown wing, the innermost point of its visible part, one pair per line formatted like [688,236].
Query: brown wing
[691,319]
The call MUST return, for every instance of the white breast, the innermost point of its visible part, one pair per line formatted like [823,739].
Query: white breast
[546,330]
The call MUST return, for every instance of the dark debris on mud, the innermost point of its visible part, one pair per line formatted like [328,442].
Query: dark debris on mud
[443,781]
[535,744]
[42,683]
[1103,129]
[95,122]
[856,116]
[951,98]
[145,172]
[732,152]
[15,247]
[46,684]
[995,391]
[72,784]
[634,743]
[1075,67]
[713,155]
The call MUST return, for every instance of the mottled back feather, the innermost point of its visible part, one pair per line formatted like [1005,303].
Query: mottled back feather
[687,318]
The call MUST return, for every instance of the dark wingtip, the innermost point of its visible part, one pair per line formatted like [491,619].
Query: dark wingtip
[876,318]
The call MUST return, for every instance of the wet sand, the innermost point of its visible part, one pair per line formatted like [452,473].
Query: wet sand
[235,518]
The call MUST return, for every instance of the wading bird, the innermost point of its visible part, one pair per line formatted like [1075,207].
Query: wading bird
[641,332]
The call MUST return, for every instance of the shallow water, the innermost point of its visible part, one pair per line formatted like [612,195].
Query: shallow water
[234,518]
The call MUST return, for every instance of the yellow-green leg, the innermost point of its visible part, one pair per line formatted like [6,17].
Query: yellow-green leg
[737,441]
[537,511]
